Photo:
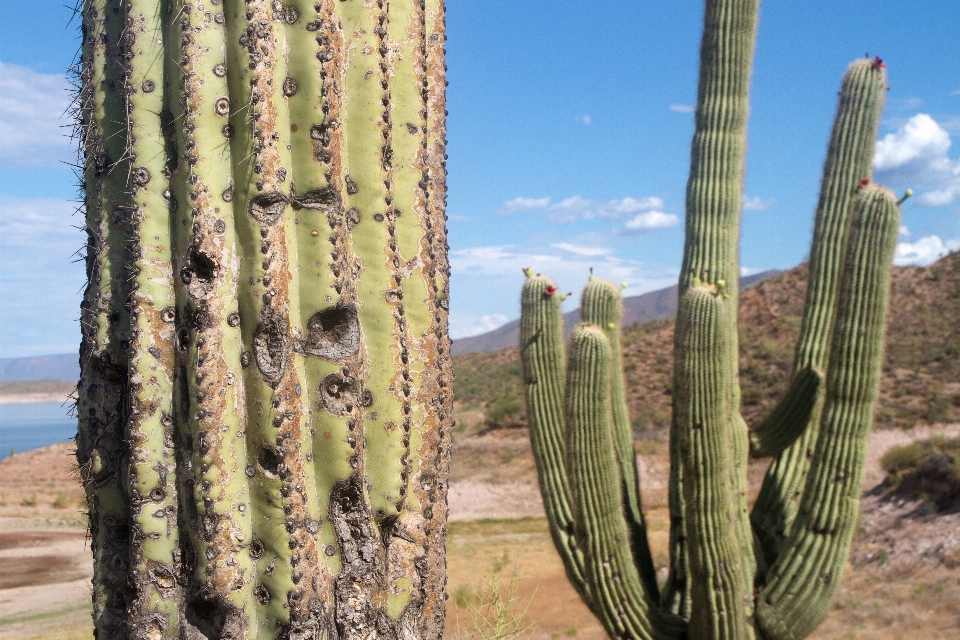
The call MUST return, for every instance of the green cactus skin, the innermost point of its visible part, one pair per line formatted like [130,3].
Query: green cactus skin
[849,159]
[601,306]
[266,389]
[772,573]
[544,380]
[627,607]
[720,597]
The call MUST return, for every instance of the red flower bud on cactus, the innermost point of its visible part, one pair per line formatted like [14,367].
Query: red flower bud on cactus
[550,290]
[864,182]
[878,62]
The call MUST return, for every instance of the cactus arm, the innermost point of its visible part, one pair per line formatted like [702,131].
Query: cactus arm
[713,203]
[849,158]
[601,306]
[806,575]
[153,495]
[790,417]
[542,359]
[721,600]
[104,318]
[624,605]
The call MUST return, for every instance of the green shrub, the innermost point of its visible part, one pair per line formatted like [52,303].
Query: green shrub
[938,408]
[928,470]
[502,409]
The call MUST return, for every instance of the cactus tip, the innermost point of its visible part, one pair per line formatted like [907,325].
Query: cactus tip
[906,194]
[528,271]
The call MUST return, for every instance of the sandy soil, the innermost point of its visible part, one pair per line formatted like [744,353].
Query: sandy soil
[44,558]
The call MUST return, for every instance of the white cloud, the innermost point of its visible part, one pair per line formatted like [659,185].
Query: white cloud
[468,327]
[748,271]
[682,108]
[581,251]
[916,156]
[34,124]
[651,220]
[579,208]
[486,281]
[585,119]
[923,251]
[524,204]
[756,203]
[41,279]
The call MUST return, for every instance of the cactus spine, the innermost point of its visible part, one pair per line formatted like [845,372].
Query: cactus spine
[734,573]
[265,397]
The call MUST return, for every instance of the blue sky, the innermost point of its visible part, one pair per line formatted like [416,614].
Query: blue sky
[569,135]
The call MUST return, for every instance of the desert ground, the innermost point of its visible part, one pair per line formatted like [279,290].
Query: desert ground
[903,579]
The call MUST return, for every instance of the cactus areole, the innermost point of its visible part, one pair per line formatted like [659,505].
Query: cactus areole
[266,389]
[735,573]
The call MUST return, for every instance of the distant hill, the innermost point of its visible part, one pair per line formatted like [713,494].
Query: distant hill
[920,381]
[655,305]
[62,366]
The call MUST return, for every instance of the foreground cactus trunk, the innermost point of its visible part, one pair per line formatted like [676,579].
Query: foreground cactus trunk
[265,397]
[734,574]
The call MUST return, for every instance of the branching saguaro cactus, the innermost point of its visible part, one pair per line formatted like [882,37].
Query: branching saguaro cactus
[265,398]
[734,574]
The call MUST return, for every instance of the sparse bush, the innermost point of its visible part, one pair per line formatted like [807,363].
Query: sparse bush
[928,470]
[503,410]
[495,608]
[938,408]
[61,500]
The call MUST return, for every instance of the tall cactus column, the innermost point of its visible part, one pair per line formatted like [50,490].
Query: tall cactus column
[773,574]
[265,398]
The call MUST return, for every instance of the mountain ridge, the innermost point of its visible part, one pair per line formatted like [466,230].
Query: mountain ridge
[653,305]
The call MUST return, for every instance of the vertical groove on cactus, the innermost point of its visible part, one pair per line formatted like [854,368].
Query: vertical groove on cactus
[721,601]
[819,540]
[848,161]
[601,306]
[273,185]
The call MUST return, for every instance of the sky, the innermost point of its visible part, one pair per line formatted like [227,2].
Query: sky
[569,135]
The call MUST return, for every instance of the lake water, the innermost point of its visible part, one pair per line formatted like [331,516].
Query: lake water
[33,425]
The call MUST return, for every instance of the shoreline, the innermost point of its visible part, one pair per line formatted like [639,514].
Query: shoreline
[31,398]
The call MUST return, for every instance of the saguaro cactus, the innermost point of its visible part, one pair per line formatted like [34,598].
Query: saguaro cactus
[733,574]
[265,398]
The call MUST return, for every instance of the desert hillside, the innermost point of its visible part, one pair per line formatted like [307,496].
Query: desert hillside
[921,375]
